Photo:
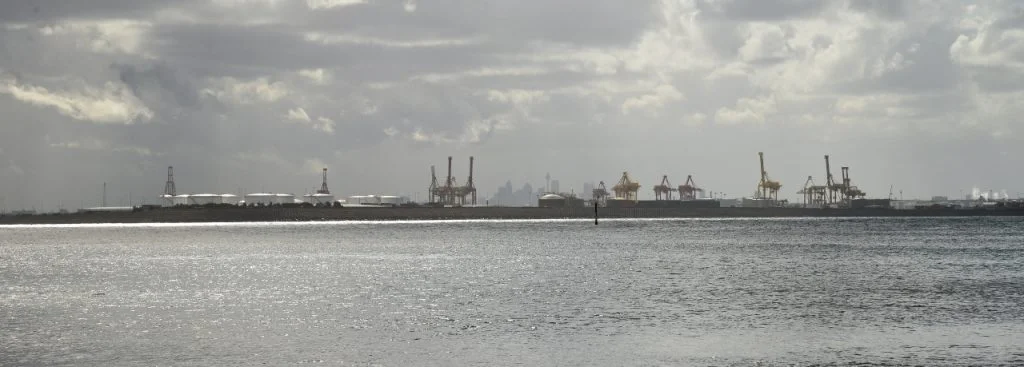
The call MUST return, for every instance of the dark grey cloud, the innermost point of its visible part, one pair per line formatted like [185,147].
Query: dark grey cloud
[747,10]
[55,10]
[255,95]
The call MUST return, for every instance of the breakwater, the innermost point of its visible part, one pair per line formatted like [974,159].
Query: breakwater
[238,214]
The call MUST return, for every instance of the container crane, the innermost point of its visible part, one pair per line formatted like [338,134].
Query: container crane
[448,191]
[601,194]
[689,190]
[835,190]
[435,189]
[626,188]
[814,195]
[851,192]
[767,188]
[469,189]
[664,190]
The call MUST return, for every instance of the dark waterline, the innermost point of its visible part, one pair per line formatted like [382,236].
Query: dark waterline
[930,291]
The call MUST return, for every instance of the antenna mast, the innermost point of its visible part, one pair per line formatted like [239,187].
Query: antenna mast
[323,186]
[169,188]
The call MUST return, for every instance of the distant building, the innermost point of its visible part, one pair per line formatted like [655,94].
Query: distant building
[508,196]
[588,189]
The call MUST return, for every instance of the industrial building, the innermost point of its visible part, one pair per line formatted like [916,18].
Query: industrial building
[552,200]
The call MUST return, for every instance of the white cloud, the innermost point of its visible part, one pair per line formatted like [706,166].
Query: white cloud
[318,76]
[517,96]
[112,104]
[324,124]
[233,90]
[298,114]
[764,41]
[102,145]
[747,111]
[653,101]
[350,39]
[481,73]
[330,4]
[102,36]
[409,6]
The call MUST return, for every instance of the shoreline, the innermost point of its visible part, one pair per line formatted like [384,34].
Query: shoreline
[305,214]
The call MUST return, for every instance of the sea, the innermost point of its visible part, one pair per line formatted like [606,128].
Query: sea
[685,292]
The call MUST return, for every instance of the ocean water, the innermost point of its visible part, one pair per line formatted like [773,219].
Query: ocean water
[898,291]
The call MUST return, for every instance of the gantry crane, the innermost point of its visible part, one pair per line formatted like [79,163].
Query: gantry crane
[766,188]
[834,189]
[851,192]
[435,189]
[814,195]
[689,190]
[664,190]
[600,194]
[626,189]
[461,192]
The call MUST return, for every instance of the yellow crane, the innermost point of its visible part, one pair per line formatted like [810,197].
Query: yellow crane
[767,188]
[626,189]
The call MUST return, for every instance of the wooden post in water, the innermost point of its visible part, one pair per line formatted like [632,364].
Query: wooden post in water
[595,212]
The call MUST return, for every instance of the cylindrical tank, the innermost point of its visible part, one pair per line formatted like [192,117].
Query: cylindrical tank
[390,200]
[181,199]
[284,199]
[321,199]
[167,200]
[257,199]
[204,199]
[230,199]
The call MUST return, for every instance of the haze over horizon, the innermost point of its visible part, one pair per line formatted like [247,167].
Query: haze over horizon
[259,95]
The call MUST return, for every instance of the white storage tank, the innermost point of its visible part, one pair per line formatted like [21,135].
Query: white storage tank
[284,199]
[259,199]
[319,199]
[230,199]
[181,199]
[356,199]
[204,199]
[167,200]
[390,200]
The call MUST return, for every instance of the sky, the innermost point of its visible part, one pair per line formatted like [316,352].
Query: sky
[260,95]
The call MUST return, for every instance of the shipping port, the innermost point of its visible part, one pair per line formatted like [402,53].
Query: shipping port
[836,197]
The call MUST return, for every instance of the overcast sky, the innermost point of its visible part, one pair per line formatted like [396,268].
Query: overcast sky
[259,95]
